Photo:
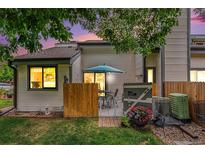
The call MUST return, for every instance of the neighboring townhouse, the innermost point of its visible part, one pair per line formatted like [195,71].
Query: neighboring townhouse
[197,58]
[40,76]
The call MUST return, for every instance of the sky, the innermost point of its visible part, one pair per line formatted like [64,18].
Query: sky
[79,34]
[197,24]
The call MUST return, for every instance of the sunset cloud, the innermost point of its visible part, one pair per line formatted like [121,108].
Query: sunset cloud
[85,37]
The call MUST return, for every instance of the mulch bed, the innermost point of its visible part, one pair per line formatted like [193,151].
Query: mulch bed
[173,135]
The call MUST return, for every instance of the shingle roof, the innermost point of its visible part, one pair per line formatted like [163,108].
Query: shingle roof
[55,52]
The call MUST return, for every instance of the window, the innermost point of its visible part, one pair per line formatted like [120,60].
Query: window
[96,78]
[89,78]
[150,75]
[197,75]
[42,77]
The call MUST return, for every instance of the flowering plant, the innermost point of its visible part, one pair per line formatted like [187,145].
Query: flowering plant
[139,115]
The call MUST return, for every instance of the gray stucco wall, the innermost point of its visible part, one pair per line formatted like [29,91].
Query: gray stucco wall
[130,63]
[106,55]
[38,100]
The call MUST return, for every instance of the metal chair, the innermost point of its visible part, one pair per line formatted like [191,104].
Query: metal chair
[113,101]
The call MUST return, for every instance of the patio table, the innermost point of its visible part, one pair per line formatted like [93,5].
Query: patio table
[105,91]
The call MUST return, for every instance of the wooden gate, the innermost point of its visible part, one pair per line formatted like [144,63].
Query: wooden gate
[80,100]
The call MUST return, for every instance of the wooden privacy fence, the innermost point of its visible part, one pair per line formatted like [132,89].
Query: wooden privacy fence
[195,91]
[80,100]
[154,89]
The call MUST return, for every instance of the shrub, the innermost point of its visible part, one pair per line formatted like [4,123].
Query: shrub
[139,116]
[125,121]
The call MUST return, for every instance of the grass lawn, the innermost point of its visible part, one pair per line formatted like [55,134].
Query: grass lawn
[64,131]
[5,103]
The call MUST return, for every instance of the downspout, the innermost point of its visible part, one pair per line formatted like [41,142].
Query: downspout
[188,44]
[162,58]
[144,69]
[70,73]
[15,83]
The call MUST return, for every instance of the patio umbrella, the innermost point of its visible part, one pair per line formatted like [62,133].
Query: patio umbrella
[103,69]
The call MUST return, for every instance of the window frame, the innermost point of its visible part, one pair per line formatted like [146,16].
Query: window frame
[42,89]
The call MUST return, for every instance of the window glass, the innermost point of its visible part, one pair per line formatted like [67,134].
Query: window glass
[201,76]
[36,77]
[197,76]
[100,79]
[49,77]
[150,75]
[96,78]
[88,77]
[193,75]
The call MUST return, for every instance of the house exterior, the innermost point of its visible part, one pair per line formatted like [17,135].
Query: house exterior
[40,76]
[197,72]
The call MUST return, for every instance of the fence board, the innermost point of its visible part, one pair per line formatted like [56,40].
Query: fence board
[154,89]
[80,100]
[195,91]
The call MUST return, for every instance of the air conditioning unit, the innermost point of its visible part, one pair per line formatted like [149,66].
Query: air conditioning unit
[179,106]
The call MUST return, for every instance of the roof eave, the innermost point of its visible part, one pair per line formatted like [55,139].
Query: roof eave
[41,61]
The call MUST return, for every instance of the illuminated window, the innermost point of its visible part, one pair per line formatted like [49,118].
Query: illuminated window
[36,77]
[150,75]
[49,75]
[100,79]
[197,75]
[96,78]
[42,77]
[89,78]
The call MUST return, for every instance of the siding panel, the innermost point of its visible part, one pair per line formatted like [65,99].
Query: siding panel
[176,63]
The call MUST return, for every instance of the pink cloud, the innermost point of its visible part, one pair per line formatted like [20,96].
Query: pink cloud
[49,43]
[197,20]
[20,52]
[85,37]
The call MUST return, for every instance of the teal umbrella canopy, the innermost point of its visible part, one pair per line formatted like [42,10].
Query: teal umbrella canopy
[103,69]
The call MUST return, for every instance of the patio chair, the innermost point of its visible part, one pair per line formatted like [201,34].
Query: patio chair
[114,101]
[115,97]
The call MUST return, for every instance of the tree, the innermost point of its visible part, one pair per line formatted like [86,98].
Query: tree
[136,30]
[6,73]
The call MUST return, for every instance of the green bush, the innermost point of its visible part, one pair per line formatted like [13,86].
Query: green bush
[2,91]
[125,121]
[6,73]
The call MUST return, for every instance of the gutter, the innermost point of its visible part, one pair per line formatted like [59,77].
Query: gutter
[15,83]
